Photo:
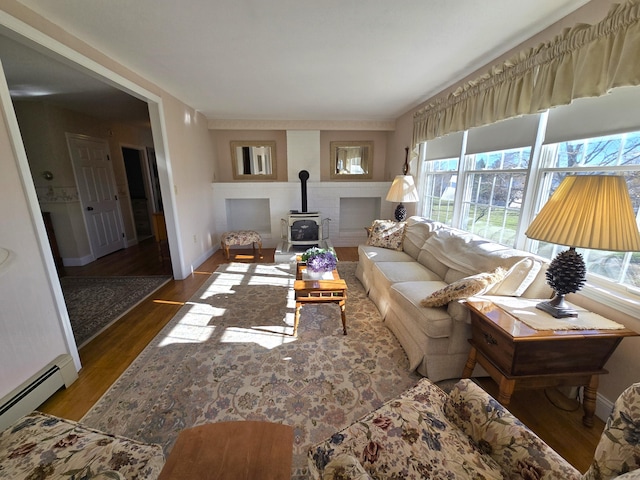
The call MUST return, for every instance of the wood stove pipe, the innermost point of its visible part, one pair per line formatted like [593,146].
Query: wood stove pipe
[304,176]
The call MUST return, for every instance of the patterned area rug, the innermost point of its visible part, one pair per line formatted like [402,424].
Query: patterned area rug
[229,355]
[94,303]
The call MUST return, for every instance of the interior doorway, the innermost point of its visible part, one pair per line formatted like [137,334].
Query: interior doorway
[96,184]
[139,183]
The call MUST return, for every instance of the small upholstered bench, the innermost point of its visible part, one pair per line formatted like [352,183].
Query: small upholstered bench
[240,237]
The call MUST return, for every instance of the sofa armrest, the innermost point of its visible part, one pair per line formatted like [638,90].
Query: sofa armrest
[40,445]
[519,452]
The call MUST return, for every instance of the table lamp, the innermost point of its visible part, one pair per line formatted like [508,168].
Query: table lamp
[403,190]
[586,211]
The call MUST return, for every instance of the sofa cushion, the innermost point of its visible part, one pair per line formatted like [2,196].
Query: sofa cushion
[388,273]
[386,234]
[465,253]
[432,263]
[518,278]
[379,254]
[416,232]
[519,452]
[406,296]
[408,437]
[464,288]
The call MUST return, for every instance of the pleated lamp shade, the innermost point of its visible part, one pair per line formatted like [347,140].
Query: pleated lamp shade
[402,190]
[589,211]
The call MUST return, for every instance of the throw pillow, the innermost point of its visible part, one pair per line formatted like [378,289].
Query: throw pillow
[386,234]
[517,279]
[464,288]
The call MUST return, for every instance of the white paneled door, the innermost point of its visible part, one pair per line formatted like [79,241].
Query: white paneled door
[93,170]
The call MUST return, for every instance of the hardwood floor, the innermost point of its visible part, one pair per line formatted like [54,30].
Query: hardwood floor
[106,357]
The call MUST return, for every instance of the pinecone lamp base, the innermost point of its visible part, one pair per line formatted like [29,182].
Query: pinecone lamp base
[400,213]
[557,307]
[567,273]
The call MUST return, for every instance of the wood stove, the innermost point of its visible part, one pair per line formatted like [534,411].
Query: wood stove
[304,229]
[301,229]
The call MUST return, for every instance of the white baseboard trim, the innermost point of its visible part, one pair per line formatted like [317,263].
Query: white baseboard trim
[78,261]
[201,259]
[604,406]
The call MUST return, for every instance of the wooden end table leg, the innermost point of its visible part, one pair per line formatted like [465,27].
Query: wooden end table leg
[296,318]
[343,305]
[471,363]
[589,400]
[506,390]
[260,249]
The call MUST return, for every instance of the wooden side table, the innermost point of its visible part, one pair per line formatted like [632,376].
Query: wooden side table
[518,356]
[333,290]
[231,451]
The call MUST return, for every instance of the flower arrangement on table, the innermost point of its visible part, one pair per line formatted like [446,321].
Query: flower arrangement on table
[320,259]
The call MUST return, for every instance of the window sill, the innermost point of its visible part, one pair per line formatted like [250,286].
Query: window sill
[620,300]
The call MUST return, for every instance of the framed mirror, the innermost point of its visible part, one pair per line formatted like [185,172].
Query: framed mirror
[351,160]
[253,160]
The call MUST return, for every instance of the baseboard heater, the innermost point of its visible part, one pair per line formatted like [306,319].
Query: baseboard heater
[38,388]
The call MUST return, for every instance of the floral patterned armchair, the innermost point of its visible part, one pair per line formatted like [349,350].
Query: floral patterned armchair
[618,452]
[426,433]
[40,446]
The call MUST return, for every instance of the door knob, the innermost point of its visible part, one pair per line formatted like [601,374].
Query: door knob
[89,208]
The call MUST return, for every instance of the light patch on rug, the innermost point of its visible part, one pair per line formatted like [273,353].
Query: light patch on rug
[229,354]
[95,303]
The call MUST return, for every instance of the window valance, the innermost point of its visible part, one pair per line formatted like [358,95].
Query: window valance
[582,61]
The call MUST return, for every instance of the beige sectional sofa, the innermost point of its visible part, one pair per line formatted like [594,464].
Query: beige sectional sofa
[401,264]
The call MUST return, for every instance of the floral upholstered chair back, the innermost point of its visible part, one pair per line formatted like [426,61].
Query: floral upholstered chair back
[619,449]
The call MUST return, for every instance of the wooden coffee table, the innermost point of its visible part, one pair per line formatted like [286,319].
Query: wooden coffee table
[518,356]
[231,451]
[333,290]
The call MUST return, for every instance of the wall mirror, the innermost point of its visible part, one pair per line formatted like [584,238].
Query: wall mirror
[351,160]
[253,160]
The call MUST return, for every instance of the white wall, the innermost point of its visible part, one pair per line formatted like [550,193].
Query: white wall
[31,327]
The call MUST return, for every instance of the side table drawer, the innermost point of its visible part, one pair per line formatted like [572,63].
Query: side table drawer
[492,343]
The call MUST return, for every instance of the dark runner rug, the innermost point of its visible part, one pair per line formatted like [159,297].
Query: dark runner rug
[94,303]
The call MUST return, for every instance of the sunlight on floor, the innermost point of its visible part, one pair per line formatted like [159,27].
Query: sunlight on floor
[268,336]
[193,327]
[198,320]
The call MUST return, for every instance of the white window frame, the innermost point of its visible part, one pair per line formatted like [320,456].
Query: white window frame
[622,297]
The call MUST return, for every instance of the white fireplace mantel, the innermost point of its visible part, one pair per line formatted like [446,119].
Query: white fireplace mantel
[358,203]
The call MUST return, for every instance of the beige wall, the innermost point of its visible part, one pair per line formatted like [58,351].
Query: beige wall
[222,140]
[379,139]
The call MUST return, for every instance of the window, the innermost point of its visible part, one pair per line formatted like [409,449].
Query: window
[612,154]
[439,188]
[500,175]
[494,189]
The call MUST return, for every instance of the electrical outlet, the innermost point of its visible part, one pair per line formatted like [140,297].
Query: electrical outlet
[195,239]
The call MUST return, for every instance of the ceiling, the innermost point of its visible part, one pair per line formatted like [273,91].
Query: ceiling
[337,60]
